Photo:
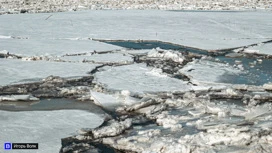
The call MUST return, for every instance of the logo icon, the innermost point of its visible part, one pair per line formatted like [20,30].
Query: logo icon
[7,146]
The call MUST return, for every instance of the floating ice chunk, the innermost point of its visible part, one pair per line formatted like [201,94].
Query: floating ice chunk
[251,51]
[169,121]
[217,109]
[104,100]
[166,54]
[18,98]
[113,129]
[4,52]
[196,112]
[267,86]
[5,37]
[113,101]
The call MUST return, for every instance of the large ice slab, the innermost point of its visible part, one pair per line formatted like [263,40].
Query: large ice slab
[52,47]
[205,30]
[44,127]
[14,71]
[139,78]
[210,72]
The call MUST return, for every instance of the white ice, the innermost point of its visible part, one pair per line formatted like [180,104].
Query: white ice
[138,78]
[14,71]
[111,101]
[44,127]
[205,30]
[18,98]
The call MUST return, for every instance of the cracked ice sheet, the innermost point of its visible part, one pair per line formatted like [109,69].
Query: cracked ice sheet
[139,78]
[101,58]
[50,47]
[203,71]
[17,71]
[44,127]
[205,30]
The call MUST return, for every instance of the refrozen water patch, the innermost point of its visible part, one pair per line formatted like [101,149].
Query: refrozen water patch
[52,47]
[17,71]
[139,78]
[44,127]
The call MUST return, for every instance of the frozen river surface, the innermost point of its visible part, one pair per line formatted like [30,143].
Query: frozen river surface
[35,46]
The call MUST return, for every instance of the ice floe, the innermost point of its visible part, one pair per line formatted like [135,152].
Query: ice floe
[52,47]
[13,71]
[18,98]
[44,127]
[208,71]
[138,78]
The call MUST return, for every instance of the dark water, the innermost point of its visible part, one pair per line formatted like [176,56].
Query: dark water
[154,44]
[51,104]
[260,74]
